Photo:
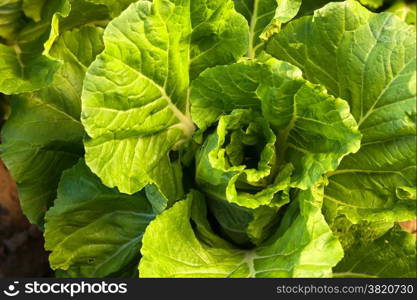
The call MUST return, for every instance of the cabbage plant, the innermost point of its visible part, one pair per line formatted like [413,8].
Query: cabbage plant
[214,138]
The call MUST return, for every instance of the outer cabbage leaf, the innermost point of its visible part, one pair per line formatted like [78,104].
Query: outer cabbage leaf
[392,255]
[172,248]
[377,77]
[135,97]
[265,16]
[405,11]
[44,136]
[33,8]
[23,68]
[349,234]
[25,62]
[94,231]
[247,227]
[285,12]
[23,75]
[10,18]
[114,7]
[372,3]
[80,12]
[220,90]
[308,7]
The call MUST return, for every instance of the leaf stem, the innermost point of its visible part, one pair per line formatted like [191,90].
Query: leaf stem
[253,22]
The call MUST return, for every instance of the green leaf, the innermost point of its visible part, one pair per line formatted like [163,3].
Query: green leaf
[94,231]
[369,60]
[44,136]
[316,130]
[393,255]
[79,12]
[285,12]
[33,8]
[23,68]
[172,186]
[372,3]
[135,97]
[10,18]
[245,226]
[114,7]
[349,234]
[53,18]
[40,139]
[265,17]
[405,192]
[221,89]
[171,248]
[405,11]
[308,7]
[18,75]
[305,247]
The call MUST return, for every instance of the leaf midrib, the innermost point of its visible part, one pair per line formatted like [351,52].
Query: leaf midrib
[252,27]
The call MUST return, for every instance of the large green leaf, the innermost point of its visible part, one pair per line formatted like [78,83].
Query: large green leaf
[43,136]
[23,68]
[304,245]
[18,76]
[114,7]
[369,60]
[405,11]
[392,255]
[308,7]
[171,248]
[220,90]
[33,8]
[135,97]
[80,12]
[10,18]
[94,231]
[264,18]
[372,3]
[25,63]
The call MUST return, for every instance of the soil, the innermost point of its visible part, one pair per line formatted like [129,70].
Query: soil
[21,244]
